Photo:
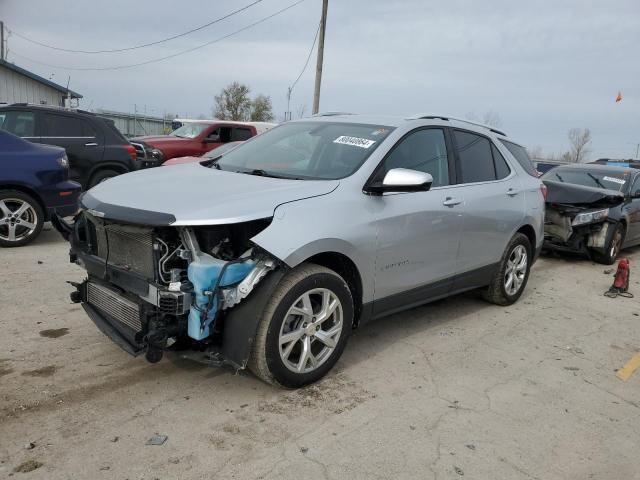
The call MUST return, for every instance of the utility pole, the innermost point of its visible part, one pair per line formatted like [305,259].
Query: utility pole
[323,26]
[1,40]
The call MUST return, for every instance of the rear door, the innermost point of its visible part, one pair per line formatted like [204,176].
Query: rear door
[494,206]
[78,137]
[418,232]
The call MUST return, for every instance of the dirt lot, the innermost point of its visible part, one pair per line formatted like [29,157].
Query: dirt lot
[457,388]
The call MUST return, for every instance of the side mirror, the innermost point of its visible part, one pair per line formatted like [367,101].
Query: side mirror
[212,139]
[402,180]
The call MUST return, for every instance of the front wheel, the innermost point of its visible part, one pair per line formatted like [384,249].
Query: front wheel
[304,327]
[512,275]
[613,246]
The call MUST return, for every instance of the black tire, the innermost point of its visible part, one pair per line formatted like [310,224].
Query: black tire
[497,292]
[12,200]
[101,176]
[266,361]
[615,240]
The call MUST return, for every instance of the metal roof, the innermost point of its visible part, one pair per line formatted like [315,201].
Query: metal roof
[38,78]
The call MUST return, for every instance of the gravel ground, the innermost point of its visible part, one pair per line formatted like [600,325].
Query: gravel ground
[454,389]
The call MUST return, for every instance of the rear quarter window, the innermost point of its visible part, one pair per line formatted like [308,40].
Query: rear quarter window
[521,155]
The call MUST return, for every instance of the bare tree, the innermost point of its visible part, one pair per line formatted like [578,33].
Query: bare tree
[233,103]
[261,109]
[301,111]
[579,139]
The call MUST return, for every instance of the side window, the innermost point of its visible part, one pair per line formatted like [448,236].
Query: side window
[476,160]
[502,168]
[635,190]
[19,123]
[88,130]
[241,134]
[423,150]
[61,126]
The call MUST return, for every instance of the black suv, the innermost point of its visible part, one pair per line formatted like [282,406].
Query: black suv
[95,148]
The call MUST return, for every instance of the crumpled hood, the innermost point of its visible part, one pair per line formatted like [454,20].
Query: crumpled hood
[568,193]
[191,194]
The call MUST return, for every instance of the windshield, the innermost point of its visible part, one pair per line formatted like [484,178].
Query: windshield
[190,130]
[307,150]
[607,180]
[221,150]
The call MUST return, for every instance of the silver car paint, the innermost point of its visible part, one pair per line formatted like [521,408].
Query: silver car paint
[397,241]
[197,195]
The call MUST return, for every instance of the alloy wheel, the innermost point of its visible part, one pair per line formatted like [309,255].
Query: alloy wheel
[18,219]
[311,330]
[516,270]
[615,244]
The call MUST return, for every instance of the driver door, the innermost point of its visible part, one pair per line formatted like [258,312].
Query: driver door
[418,232]
[633,211]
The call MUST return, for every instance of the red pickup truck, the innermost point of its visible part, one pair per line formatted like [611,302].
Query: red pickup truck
[194,139]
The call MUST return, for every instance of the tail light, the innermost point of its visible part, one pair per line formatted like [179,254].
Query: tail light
[543,191]
[131,150]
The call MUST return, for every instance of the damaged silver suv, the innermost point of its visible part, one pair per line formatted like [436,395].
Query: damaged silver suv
[268,256]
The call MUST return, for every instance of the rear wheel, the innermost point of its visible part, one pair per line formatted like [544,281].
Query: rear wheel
[101,176]
[513,273]
[21,218]
[613,246]
[304,327]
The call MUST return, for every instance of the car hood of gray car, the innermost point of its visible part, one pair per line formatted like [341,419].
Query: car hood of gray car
[192,194]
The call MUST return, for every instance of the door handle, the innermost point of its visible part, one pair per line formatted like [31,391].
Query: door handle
[91,144]
[512,193]
[451,202]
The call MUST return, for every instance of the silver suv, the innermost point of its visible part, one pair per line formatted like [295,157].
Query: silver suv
[268,256]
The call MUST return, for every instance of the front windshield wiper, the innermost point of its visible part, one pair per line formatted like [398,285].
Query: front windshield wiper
[263,173]
[595,179]
[559,177]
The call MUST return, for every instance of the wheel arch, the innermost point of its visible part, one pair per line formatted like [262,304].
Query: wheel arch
[116,166]
[29,191]
[529,232]
[347,269]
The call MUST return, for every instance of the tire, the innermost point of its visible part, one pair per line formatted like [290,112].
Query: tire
[269,358]
[499,290]
[23,229]
[102,175]
[613,247]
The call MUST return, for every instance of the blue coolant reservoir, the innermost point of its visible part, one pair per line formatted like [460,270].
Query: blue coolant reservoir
[203,272]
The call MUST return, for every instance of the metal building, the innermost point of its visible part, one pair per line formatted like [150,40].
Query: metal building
[18,85]
[136,124]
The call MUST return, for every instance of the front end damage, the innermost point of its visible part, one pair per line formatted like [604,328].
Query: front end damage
[563,234]
[157,288]
[577,218]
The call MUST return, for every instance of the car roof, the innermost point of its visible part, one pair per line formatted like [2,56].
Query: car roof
[51,108]
[599,167]
[400,121]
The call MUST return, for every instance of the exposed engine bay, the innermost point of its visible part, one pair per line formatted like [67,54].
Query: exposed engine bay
[156,288]
[578,218]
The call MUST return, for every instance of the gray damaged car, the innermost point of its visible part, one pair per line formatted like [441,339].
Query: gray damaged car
[269,256]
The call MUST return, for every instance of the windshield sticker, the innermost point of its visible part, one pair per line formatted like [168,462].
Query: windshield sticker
[354,141]
[379,131]
[614,180]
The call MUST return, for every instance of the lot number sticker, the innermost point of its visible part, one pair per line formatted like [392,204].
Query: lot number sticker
[354,141]
[614,180]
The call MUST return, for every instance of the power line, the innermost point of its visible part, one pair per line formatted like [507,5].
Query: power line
[121,67]
[315,39]
[135,47]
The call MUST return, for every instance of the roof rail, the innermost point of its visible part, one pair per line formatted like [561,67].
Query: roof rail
[51,107]
[331,114]
[447,118]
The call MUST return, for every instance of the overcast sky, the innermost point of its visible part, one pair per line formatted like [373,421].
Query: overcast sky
[542,66]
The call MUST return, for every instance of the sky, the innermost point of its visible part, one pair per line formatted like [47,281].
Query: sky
[540,66]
